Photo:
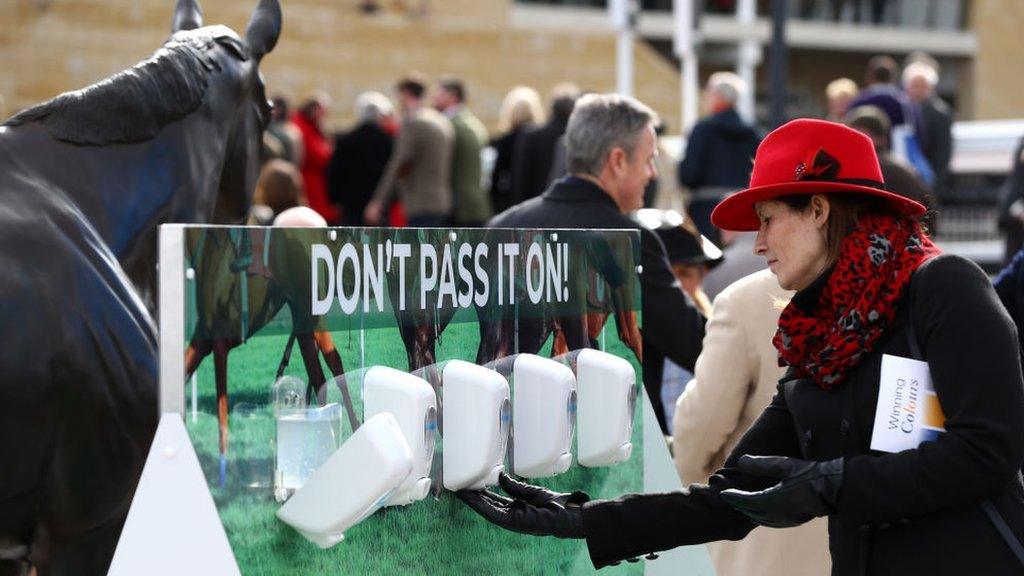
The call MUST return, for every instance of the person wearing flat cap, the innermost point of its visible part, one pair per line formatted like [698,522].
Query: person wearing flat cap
[869,285]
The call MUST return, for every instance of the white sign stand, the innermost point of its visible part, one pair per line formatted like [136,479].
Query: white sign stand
[173,527]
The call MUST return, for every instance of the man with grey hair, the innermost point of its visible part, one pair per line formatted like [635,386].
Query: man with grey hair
[725,86]
[360,156]
[373,106]
[610,153]
[719,152]
[919,81]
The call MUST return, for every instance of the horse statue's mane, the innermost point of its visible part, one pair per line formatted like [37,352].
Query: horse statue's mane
[133,105]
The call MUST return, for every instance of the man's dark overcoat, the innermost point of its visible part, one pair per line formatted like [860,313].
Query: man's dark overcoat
[671,323]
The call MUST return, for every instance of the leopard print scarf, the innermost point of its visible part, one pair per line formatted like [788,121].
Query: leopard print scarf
[858,301]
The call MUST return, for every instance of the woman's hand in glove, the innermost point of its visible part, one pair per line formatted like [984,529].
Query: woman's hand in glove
[530,510]
[806,490]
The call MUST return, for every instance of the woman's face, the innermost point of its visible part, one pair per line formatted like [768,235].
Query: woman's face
[793,241]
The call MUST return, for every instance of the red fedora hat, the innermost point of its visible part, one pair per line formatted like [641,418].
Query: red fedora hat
[809,157]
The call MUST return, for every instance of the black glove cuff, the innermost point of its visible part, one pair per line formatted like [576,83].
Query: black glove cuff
[832,473]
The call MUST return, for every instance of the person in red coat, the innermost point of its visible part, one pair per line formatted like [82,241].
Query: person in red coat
[317,153]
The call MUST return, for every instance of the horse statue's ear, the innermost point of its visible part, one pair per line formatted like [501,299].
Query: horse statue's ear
[264,28]
[187,16]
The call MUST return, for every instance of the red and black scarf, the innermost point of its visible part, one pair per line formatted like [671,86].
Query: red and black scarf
[858,301]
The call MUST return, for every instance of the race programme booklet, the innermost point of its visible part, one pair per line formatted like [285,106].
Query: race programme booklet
[908,411]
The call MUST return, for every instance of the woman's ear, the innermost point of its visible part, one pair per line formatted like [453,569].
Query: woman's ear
[820,208]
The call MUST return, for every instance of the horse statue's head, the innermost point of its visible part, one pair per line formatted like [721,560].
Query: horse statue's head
[242,102]
[173,139]
[195,110]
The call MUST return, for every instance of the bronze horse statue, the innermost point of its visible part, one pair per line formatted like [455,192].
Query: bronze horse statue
[176,138]
[84,180]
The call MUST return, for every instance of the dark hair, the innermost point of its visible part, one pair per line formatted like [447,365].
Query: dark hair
[280,107]
[873,121]
[279,186]
[455,86]
[414,84]
[844,211]
[563,100]
[310,106]
[881,69]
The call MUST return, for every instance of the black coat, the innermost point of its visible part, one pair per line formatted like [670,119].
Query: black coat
[669,317]
[532,158]
[503,175]
[355,168]
[719,153]
[1012,191]
[915,512]
[937,140]
[1009,285]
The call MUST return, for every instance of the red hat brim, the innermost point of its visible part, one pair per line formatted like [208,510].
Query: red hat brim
[736,212]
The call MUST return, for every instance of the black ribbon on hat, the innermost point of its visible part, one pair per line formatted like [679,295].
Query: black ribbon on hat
[825,168]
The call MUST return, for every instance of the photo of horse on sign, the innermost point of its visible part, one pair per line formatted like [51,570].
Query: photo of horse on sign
[85,180]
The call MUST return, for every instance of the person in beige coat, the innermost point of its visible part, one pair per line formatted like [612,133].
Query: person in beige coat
[420,164]
[734,380]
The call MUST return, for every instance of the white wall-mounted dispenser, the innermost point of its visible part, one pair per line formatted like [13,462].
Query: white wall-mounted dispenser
[607,392]
[355,482]
[543,416]
[476,417]
[413,403]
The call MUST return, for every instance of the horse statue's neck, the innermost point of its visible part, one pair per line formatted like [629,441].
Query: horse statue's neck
[126,191]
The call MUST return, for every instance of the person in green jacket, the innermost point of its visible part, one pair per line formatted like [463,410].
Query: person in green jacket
[472,205]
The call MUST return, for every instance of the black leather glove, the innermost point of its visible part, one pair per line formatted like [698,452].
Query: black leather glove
[530,510]
[807,490]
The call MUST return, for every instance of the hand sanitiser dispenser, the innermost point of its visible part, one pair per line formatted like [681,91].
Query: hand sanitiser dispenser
[607,399]
[354,482]
[543,416]
[413,403]
[476,417]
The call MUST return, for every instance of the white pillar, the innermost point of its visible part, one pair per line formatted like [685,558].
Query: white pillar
[748,56]
[691,91]
[684,46]
[624,62]
[623,16]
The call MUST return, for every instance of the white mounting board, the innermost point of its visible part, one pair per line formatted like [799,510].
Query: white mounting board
[173,527]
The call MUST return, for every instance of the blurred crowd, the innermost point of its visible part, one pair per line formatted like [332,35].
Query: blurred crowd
[422,158]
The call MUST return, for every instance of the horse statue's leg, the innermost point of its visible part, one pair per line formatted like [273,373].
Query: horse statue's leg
[325,343]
